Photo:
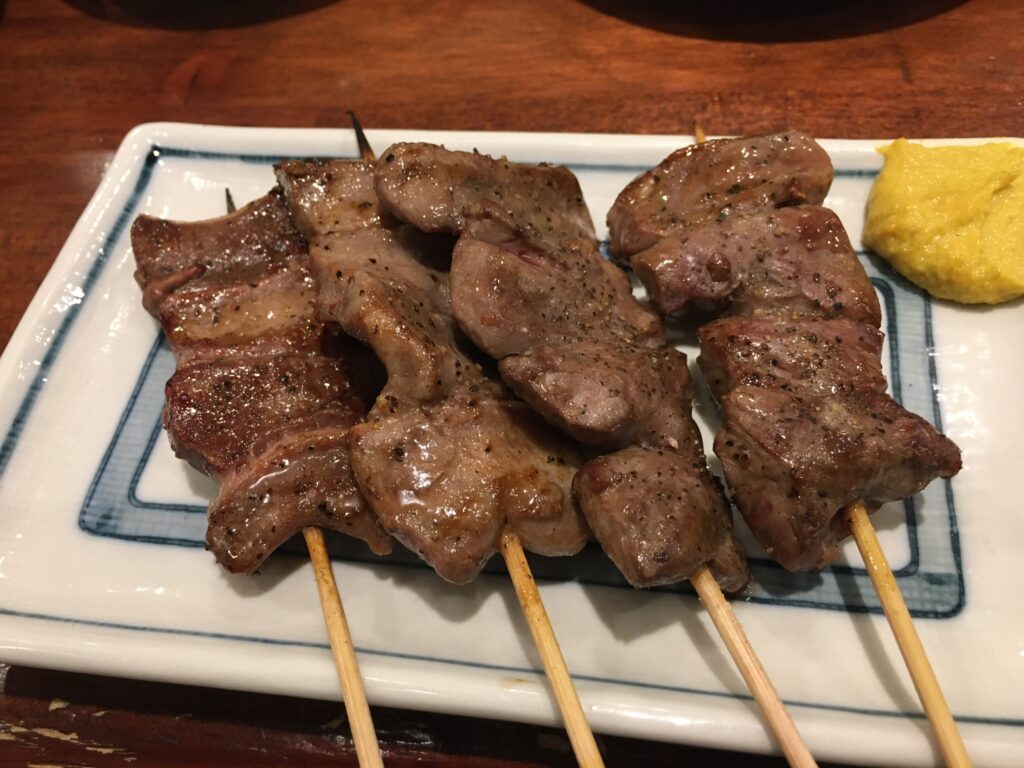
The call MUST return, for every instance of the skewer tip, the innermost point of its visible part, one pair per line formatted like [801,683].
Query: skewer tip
[698,132]
[229,200]
[365,150]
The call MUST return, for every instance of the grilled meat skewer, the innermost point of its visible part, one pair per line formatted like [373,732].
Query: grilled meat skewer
[264,394]
[531,289]
[795,364]
[447,458]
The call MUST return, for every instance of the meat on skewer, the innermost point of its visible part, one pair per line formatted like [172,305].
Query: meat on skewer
[451,461]
[804,322]
[446,458]
[813,446]
[262,399]
[264,394]
[531,289]
[787,262]
[714,181]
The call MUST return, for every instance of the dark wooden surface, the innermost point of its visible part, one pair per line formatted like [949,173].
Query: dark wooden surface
[76,75]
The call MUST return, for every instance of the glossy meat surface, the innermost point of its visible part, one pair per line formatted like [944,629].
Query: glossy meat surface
[218,410]
[794,462]
[649,509]
[509,295]
[472,461]
[250,243]
[531,289]
[383,282]
[792,262]
[438,190]
[302,479]
[264,393]
[716,181]
[607,394]
[446,479]
[816,357]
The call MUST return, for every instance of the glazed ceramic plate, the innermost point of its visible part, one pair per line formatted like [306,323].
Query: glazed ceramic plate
[102,567]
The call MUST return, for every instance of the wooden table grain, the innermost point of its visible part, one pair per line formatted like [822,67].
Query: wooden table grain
[77,75]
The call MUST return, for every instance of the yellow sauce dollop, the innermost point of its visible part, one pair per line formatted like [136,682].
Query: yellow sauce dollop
[951,219]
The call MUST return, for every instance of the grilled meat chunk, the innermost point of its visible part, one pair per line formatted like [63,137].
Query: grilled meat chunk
[649,509]
[232,250]
[303,479]
[816,357]
[383,282]
[531,289]
[218,410]
[793,462]
[445,479]
[264,394]
[446,459]
[436,190]
[239,284]
[792,262]
[605,393]
[715,181]
[509,295]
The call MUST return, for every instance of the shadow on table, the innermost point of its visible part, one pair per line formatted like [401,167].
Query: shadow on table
[755,21]
[193,14]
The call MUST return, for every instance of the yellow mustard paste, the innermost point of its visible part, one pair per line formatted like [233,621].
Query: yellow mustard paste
[951,219]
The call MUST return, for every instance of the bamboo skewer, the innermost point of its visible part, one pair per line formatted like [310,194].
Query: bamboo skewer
[757,680]
[731,631]
[344,653]
[356,707]
[580,735]
[928,690]
[927,685]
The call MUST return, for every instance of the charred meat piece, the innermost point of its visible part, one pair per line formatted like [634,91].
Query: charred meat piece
[607,394]
[793,462]
[383,282]
[232,250]
[303,479]
[239,284]
[272,312]
[509,295]
[263,393]
[715,181]
[793,262]
[815,357]
[218,410]
[649,508]
[445,479]
[436,190]
[531,289]
[445,459]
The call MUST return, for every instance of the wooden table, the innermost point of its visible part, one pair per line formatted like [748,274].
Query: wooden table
[77,75]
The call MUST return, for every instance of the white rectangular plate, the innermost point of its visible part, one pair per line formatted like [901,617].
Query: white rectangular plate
[102,570]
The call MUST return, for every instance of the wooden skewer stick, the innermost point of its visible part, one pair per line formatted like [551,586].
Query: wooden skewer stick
[760,685]
[580,735]
[935,707]
[344,652]
[365,150]
[749,665]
